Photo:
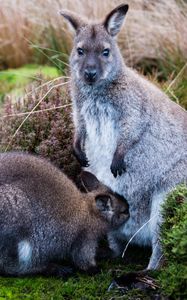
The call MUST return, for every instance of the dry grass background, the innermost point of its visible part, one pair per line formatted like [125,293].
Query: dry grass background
[152,29]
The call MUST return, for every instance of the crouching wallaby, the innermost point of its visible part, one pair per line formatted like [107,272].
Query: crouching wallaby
[127,131]
[45,219]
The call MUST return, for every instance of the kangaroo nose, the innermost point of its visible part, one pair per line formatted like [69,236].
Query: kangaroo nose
[90,74]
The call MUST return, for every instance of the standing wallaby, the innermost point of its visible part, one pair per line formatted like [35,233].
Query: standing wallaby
[127,131]
[45,219]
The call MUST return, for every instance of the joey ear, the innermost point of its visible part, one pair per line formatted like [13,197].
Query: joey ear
[115,18]
[89,181]
[103,203]
[73,19]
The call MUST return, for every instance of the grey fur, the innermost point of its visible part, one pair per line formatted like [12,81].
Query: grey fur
[45,219]
[126,126]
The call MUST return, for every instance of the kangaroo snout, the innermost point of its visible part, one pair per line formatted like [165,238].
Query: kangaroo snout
[90,74]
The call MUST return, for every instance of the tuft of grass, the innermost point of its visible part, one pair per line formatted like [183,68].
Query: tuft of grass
[180,91]
[170,75]
[173,277]
[56,55]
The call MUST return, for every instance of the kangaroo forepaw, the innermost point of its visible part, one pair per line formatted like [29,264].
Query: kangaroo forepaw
[139,279]
[81,157]
[118,167]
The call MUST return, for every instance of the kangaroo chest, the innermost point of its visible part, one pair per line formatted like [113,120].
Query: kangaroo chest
[101,129]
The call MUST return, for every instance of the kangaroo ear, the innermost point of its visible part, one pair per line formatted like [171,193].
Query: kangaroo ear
[73,19]
[103,203]
[115,18]
[89,181]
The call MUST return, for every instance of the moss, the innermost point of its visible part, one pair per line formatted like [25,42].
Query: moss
[81,286]
[173,277]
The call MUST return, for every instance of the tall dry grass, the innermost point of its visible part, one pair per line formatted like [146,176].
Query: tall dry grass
[152,28]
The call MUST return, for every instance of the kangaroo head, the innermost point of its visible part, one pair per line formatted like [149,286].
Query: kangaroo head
[113,207]
[95,56]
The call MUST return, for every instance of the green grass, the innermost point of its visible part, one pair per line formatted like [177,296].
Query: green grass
[15,80]
[58,53]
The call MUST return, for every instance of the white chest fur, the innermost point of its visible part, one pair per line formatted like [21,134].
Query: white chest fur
[101,138]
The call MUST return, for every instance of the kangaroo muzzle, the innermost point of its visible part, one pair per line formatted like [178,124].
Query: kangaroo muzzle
[90,75]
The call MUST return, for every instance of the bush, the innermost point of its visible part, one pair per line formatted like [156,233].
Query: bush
[173,277]
[46,132]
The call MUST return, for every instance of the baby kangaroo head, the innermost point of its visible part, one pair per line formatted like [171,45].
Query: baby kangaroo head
[95,56]
[113,207]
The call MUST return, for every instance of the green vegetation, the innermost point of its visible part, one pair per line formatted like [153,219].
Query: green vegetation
[80,286]
[13,81]
[170,74]
[173,278]
[56,55]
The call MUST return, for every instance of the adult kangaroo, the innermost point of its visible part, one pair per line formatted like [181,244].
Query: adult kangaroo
[127,131]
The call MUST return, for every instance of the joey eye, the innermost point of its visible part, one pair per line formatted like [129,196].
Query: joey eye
[125,212]
[80,51]
[106,52]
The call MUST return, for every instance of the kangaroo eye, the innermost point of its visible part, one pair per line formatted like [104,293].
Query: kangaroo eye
[80,51]
[106,52]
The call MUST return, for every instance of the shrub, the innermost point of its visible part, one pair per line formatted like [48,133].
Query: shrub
[48,131]
[173,277]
